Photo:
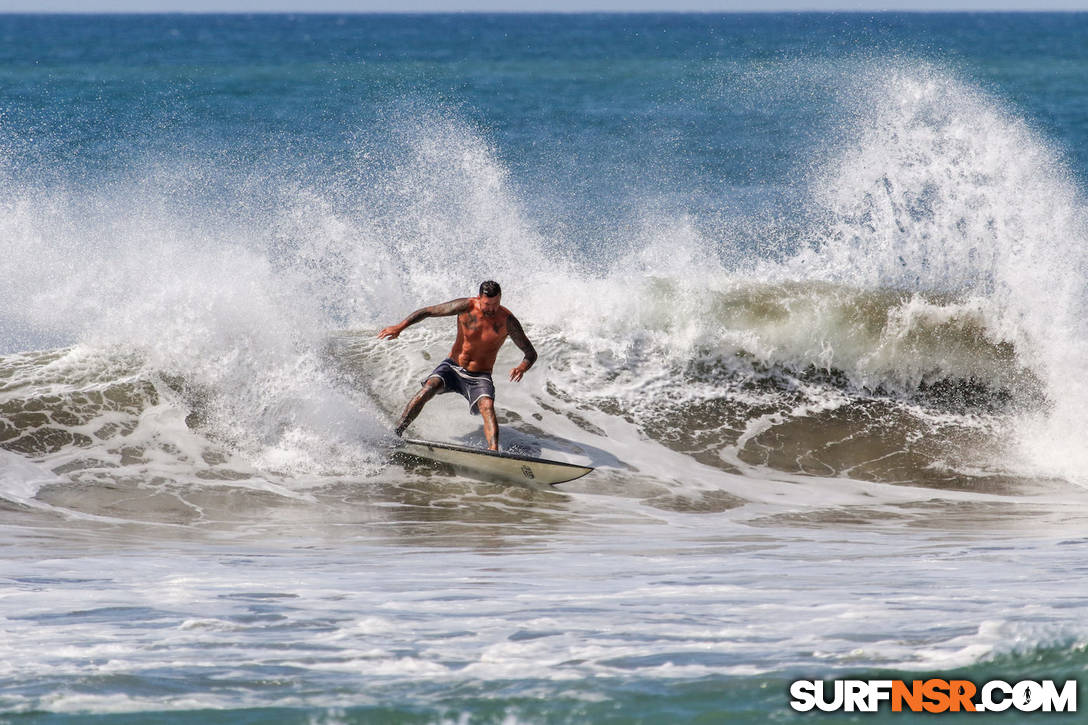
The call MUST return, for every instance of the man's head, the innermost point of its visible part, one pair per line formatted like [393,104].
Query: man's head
[490,296]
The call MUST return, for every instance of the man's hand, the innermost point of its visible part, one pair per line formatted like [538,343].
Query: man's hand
[390,333]
[518,336]
[517,372]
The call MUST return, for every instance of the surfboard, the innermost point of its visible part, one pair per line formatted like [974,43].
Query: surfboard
[494,466]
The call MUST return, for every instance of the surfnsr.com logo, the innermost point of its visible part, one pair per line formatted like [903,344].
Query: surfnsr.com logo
[933,695]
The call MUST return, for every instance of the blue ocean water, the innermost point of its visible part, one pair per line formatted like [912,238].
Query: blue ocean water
[809,293]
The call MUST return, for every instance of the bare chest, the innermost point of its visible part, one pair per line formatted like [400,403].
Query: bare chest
[482,329]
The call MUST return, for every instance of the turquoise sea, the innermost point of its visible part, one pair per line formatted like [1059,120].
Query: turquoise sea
[809,291]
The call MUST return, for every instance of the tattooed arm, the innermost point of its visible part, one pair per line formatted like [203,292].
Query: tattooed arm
[453,307]
[517,334]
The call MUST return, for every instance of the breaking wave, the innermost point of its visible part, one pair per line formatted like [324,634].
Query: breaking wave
[929,313]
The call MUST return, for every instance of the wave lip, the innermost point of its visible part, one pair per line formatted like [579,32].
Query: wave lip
[884,339]
[939,188]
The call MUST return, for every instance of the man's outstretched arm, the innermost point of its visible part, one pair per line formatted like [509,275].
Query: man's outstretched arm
[517,334]
[453,307]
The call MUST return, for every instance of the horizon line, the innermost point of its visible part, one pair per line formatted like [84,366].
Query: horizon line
[783,11]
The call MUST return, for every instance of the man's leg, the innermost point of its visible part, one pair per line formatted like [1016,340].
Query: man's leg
[491,426]
[431,388]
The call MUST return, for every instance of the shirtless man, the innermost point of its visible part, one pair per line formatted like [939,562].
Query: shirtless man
[482,327]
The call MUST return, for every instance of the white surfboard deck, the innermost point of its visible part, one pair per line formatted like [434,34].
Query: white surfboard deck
[494,467]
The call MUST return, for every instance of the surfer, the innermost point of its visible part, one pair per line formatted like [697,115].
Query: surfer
[482,327]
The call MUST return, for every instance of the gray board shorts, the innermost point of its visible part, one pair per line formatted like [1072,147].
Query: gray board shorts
[458,380]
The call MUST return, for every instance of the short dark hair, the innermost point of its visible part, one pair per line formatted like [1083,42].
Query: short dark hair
[490,288]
